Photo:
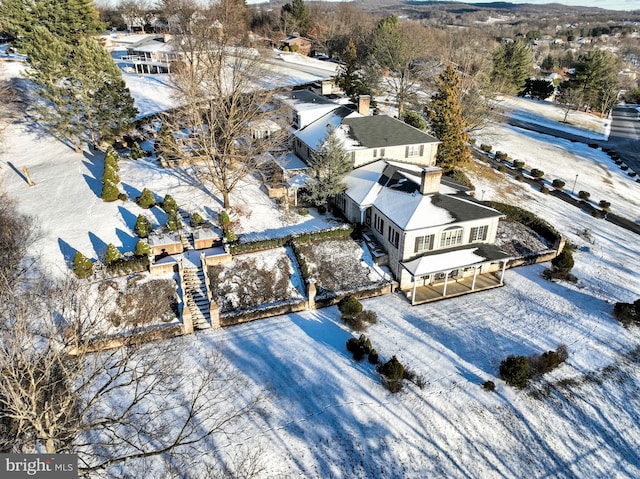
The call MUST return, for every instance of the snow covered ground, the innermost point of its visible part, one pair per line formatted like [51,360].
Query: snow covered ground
[327,416]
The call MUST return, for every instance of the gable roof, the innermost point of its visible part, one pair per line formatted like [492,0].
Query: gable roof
[379,131]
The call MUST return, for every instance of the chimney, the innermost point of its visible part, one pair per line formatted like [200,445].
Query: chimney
[326,88]
[430,181]
[363,104]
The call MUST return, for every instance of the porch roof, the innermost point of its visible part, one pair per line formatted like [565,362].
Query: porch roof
[454,258]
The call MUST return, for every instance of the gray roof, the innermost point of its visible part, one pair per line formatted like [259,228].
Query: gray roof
[379,131]
[464,208]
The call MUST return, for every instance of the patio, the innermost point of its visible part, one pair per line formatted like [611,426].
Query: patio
[455,287]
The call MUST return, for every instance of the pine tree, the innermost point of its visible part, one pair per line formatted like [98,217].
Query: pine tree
[350,78]
[112,159]
[512,65]
[165,143]
[169,205]
[596,77]
[146,199]
[110,192]
[142,249]
[173,221]
[82,266]
[136,151]
[142,227]
[295,17]
[328,166]
[112,255]
[447,122]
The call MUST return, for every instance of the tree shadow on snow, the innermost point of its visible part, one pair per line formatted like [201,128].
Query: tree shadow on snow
[95,164]
[99,246]
[68,252]
[128,217]
[128,240]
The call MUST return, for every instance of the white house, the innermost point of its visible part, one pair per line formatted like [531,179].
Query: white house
[435,236]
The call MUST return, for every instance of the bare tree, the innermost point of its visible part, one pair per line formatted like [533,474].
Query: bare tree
[114,407]
[228,118]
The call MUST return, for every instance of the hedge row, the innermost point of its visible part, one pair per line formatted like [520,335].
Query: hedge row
[260,245]
[126,265]
[527,218]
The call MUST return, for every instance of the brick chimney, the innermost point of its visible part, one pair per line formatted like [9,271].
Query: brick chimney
[430,180]
[363,104]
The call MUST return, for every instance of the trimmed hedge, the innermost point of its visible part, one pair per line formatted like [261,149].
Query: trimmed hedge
[261,245]
[527,218]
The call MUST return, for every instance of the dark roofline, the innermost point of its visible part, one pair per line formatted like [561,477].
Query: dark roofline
[379,131]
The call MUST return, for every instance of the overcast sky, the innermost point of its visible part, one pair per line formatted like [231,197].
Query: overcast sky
[608,4]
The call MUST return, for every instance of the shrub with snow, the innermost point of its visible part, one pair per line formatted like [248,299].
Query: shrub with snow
[349,306]
[82,266]
[112,255]
[146,199]
[515,371]
[142,227]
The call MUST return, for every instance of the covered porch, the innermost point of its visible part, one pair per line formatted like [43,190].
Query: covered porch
[455,272]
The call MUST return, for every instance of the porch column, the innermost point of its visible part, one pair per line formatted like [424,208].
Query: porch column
[446,278]
[475,274]
[362,221]
[413,295]
[504,266]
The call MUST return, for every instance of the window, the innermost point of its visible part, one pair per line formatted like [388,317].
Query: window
[375,152]
[478,233]
[413,150]
[451,237]
[381,152]
[378,223]
[393,236]
[424,243]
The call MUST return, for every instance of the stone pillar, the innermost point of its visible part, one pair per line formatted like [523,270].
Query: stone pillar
[311,294]
[214,314]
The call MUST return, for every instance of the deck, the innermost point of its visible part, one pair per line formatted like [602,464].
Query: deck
[433,292]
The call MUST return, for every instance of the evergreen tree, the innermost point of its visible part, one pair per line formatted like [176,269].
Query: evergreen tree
[82,266]
[110,192]
[112,255]
[142,227]
[196,219]
[539,89]
[136,151]
[596,76]
[447,122]
[146,199]
[415,119]
[173,221]
[295,17]
[165,143]
[142,249]
[110,177]
[67,20]
[512,64]
[112,159]
[328,167]
[350,78]
[169,205]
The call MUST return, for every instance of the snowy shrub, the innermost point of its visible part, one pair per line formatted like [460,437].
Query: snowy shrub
[624,167]
[605,205]
[502,156]
[392,373]
[82,266]
[112,255]
[142,249]
[349,306]
[486,148]
[558,184]
[303,211]
[518,164]
[373,356]
[502,169]
[169,205]
[196,219]
[146,199]
[369,316]
[355,348]
[545,362]
[564,261]
[536,173]
[224,220]
[515,371]
[627,313]
[519,177]
[544,190]
[584,195]
[142,227]
[111,159]
[123,197]
[489,386]
[110,192]
[230,236]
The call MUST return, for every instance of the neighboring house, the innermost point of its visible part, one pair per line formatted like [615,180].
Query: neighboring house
[298,44]
[152,54]
[366,138]
[436,239]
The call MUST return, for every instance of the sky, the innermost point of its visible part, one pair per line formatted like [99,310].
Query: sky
[608,4]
